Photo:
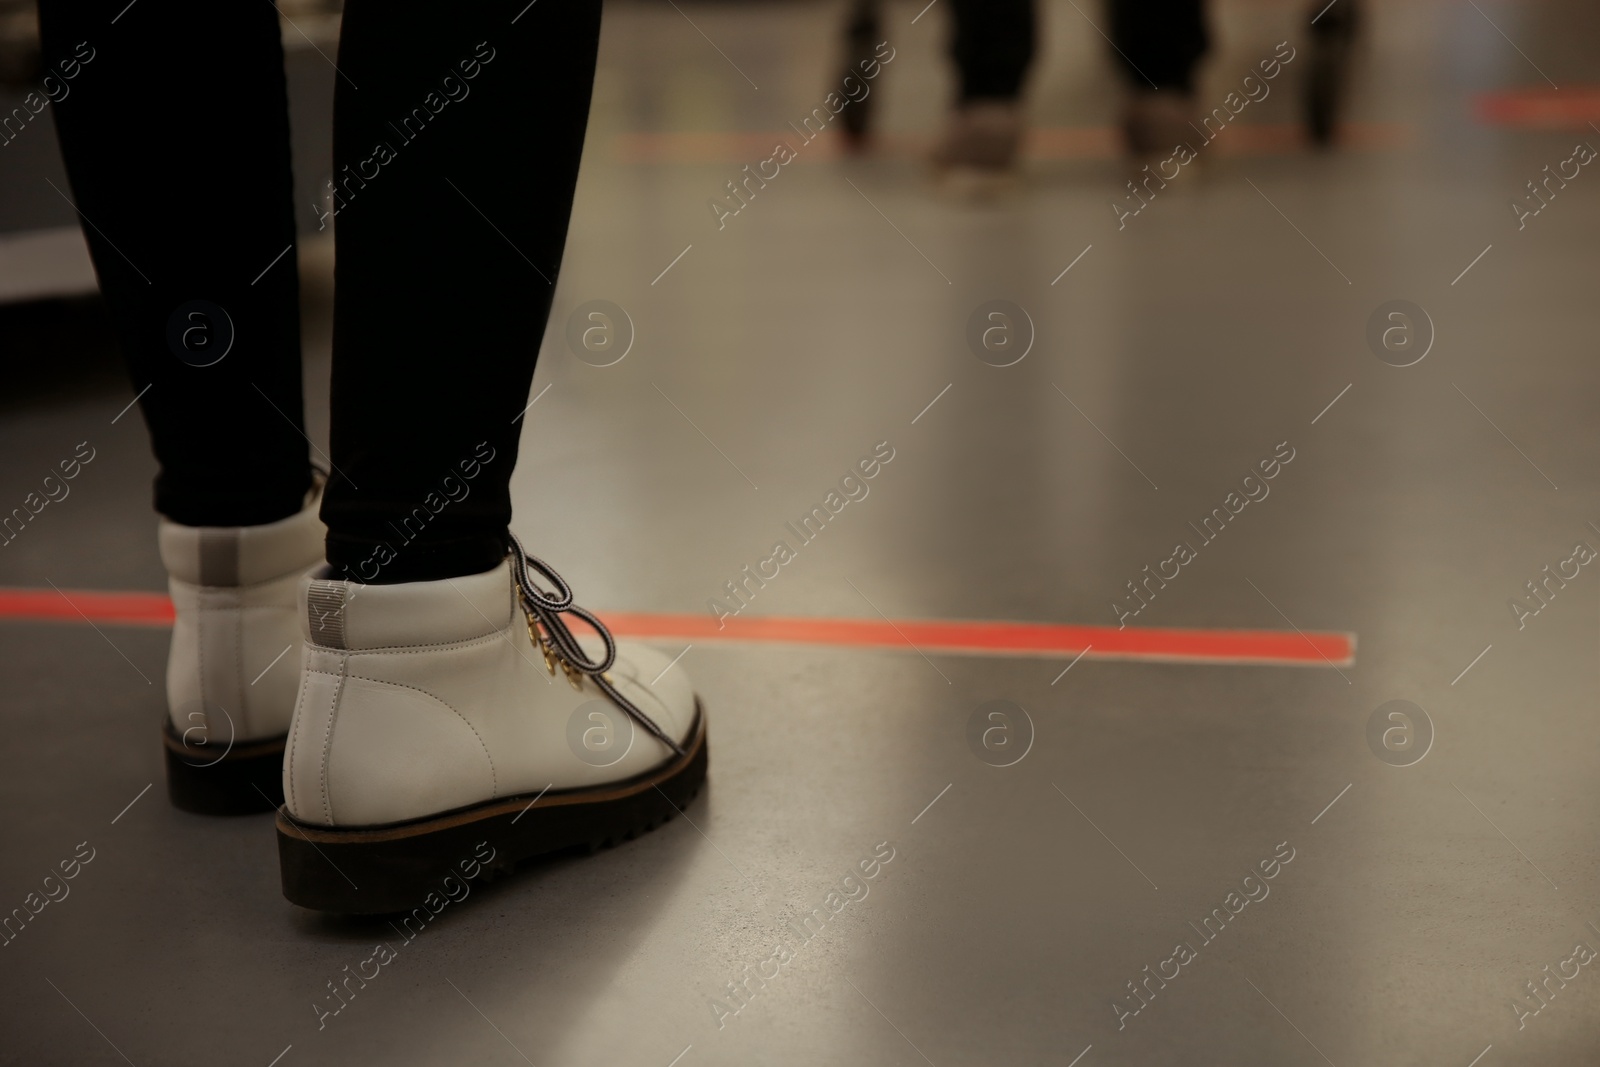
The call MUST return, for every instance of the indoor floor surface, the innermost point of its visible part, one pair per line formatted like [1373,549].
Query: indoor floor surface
[1434,889]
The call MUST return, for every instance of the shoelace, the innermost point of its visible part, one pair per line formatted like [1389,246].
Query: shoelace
[547,630]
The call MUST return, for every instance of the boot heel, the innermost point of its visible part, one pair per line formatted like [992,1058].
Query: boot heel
[246,779]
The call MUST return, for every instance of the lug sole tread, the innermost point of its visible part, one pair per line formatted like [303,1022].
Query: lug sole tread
[390,869]
[246,780]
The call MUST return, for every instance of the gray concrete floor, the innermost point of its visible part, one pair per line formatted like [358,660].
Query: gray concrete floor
[1018,907]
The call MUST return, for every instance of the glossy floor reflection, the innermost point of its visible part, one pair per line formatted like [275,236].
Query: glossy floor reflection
[1196,863]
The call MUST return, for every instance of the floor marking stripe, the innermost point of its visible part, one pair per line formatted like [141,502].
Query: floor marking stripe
[137,609]
[1535,107]
[948,636]
[1047,143]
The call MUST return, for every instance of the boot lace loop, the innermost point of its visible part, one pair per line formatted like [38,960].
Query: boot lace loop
[554,639]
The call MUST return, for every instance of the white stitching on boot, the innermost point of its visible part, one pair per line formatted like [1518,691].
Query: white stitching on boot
[327,738]
[294,736]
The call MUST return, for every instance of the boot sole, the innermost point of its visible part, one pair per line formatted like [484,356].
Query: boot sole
[389,869]
[247,779]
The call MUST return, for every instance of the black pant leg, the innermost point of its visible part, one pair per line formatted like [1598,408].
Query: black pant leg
[174,127]
[992,43]
[457,136]
[1159,42]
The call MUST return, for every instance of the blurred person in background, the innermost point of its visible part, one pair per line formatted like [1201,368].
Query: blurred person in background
[1157,45]
[1333,28]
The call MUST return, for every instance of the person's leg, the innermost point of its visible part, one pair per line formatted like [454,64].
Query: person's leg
[429,722]
[1333,29]
[457,139]
[1158,45]
[173,120]
[1159,42]
[861,37]
[992,43]
[175,133]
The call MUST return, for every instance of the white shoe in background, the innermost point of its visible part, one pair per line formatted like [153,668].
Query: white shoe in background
[977,157]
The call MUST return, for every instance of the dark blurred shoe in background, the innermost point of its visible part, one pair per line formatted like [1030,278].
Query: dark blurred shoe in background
[1154,121]
[977,156]
[1333,34]
[860,40]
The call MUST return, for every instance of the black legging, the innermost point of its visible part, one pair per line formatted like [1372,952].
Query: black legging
[1156,43]
[1159,42]
[457,136]
[992,42]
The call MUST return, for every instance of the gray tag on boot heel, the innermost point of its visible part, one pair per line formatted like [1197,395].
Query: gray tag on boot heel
[325,612]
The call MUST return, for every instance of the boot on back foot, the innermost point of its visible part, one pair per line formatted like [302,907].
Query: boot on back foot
[234,664]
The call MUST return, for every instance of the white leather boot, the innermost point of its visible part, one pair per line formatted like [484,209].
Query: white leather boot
[234,664]
[447,727]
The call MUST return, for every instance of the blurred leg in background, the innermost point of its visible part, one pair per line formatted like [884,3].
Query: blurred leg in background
[992,43]
[1334,24]
[861,31]
[1158,45]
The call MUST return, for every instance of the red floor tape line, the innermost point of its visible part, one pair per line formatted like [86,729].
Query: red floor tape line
[928,635]
[1538,108]
[79,605]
